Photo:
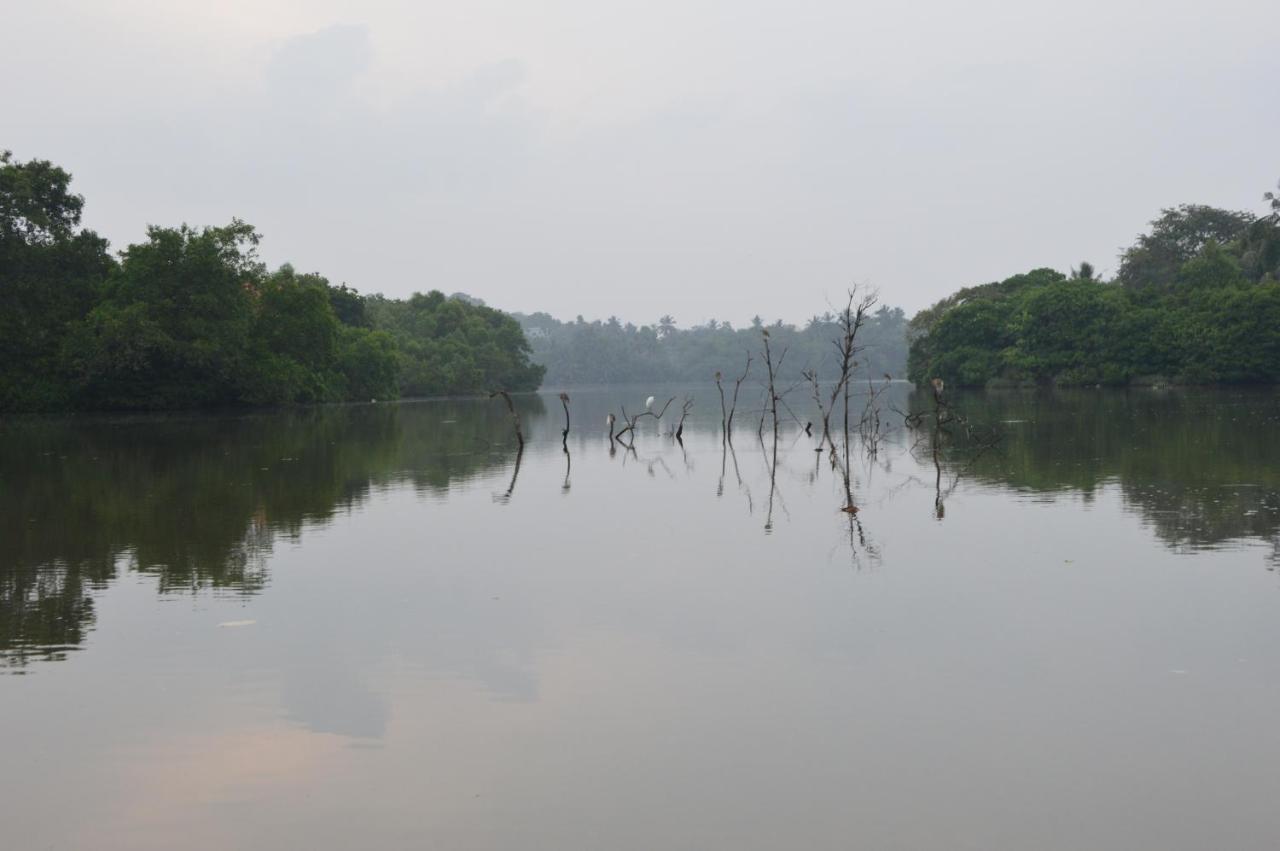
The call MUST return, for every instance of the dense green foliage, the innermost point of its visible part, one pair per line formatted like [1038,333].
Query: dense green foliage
[582,352]
[190,318]
[50,271]
[450,346]
[1197,300]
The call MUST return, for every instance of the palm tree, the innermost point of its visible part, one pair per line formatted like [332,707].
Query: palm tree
[1085,272]
[1274,198]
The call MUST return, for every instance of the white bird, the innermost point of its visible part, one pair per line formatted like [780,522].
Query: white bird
[648,403]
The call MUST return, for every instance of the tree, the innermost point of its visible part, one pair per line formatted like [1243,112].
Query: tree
[1209,319]
[190,318]
[1211,267]
[348,306]
[1260,246]
[1085,272]
[174,326]
[1176,236]
[50,275]
[368,363]
[295,340]
[36,204]
[449,346]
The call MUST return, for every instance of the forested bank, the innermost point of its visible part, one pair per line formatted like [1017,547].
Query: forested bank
[1195,300]
[582,352]
[190,318]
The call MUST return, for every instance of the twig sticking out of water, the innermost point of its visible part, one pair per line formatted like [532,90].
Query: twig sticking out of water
[564,435]
[944,427]
[631,421]
[772,394]
[870,427]
[726,414]
[684,412]
[515,418]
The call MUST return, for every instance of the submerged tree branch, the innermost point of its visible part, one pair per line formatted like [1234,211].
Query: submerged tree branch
[515,417]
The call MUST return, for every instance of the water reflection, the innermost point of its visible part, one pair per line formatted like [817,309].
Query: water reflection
[942,437]
[1200,467]
[505,496]
[442,647]
[200,503]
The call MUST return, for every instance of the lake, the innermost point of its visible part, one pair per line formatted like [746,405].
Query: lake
[379,626]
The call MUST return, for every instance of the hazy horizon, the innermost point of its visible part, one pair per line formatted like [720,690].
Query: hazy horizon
[710,160]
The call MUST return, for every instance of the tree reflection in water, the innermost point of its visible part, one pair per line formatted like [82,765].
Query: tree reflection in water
[198,502]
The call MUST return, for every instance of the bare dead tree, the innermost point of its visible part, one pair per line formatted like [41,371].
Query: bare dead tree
[631,421]
[726,414]
[684,412]
[846,475]
[564,435]
[942,414]
[772,394]
[824,414]
[770,408]
[839,463]
[782,400]
[515,418]
[850,320]
[870,425]
[947,428]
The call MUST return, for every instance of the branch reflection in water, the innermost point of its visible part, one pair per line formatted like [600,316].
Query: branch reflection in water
[197,503]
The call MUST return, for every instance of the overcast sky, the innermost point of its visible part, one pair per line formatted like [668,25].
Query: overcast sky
[704,158]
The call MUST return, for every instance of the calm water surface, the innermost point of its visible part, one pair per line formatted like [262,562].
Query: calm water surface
[367,627]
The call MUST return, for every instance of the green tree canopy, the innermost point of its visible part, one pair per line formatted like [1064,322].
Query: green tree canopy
[189,317]
[1178,235]
[1196,300]
[50,272]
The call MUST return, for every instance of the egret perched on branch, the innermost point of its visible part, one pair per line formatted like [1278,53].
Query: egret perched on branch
[648,404]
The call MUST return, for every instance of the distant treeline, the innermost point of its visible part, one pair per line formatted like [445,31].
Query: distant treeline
[611,352]
[1196,300]
[190,318]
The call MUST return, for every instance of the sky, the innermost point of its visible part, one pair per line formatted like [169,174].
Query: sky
[702,158]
